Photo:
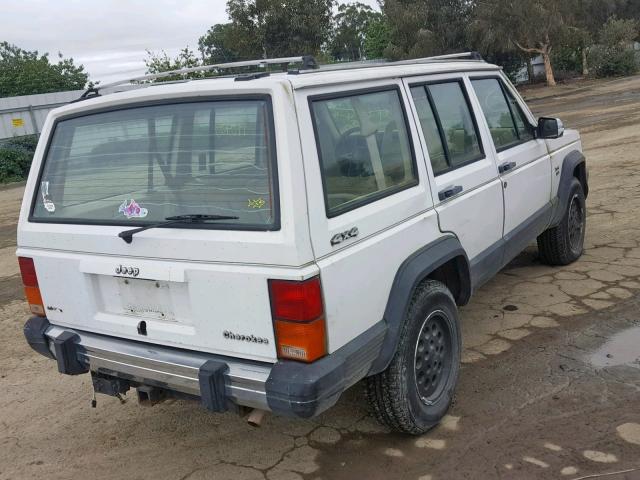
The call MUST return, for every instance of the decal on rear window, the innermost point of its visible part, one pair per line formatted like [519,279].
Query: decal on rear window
[256,203]
[49,206]
[132,209]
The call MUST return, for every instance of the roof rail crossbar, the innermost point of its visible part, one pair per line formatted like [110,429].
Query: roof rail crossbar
[471,56]
[456,56]
[307,61]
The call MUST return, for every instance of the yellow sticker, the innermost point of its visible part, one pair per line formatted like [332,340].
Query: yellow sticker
[17,122]
[256,203]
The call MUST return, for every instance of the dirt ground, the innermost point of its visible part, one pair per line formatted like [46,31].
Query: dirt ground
[549,388]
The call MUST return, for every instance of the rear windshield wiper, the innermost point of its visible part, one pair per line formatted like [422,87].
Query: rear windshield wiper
[127,235]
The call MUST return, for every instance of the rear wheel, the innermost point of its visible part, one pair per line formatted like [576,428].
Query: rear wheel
[564,243]
[416,390]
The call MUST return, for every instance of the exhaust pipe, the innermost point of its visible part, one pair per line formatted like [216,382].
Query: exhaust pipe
[255,417]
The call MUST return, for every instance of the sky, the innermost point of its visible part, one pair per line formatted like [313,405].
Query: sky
[110,37]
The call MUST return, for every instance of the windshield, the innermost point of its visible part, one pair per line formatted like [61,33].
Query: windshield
[141,165]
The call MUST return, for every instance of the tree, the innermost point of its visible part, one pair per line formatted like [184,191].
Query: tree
[279,28]
[25,72]
[217,45]
[377,38]
[618,33]
[427,27]
[588,18]
[351,25]
[158,63]
[533,26]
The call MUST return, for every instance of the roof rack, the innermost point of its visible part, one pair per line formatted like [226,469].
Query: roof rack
[471,56]
[308,62]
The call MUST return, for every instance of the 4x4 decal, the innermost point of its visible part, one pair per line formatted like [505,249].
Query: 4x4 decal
[346,235]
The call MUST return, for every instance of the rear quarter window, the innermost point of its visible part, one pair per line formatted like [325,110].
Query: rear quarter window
[364,148]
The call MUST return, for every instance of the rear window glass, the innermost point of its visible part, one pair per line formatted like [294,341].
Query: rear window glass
[145,164]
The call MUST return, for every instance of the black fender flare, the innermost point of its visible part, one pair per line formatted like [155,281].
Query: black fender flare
[414,270]
[569,164]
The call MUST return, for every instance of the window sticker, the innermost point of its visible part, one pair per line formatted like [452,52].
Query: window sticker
[131,209]
[256,203]
[49,206]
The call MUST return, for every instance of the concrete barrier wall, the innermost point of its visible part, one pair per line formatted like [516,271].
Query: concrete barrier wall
[25,115]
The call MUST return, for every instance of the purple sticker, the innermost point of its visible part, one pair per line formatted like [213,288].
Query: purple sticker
[132,209]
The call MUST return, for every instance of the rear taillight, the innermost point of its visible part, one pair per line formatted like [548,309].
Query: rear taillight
[31,289]
[298,319]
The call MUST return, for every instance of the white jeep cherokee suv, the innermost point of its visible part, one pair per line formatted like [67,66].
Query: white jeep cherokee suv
[265,241]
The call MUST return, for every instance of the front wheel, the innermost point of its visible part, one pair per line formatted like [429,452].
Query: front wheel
[564,243]
[416,389]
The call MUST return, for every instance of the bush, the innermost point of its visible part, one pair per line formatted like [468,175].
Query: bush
[15,158]
[612,62]
[613,55]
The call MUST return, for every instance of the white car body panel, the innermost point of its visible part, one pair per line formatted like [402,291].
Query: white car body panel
[211,281]
[527,187]
[389,231]
[475,215]
[558,149]
[196,284]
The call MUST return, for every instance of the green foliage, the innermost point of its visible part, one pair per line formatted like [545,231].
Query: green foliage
[26,73]
[613,55]
[531,26]
[618,33]
[15,158]
[512,62]
[420,28]
[566,59]
[279,28]
[217,45]
[350,31]
[377,38]
[607,62]
[161,62]
[409,34]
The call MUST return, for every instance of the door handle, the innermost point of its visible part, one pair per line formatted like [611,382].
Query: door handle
[505,167]
[449,192]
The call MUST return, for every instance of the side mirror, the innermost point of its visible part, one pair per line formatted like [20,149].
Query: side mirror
[550,127]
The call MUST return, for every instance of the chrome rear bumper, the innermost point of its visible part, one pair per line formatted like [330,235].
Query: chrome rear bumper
[164,367]
[286,387]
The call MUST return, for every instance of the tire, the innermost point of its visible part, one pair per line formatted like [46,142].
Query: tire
[403,396]
[564,243]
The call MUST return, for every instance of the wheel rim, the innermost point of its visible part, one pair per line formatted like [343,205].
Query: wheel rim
[432,358]
[576,224]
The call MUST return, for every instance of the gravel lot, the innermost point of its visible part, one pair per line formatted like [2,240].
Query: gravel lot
[549,386]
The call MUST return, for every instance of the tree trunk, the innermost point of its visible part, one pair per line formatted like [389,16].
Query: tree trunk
[585,65]
[548,69]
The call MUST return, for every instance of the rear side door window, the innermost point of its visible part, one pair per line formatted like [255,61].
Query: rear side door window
[448,125]
[364,148]
[505,119]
